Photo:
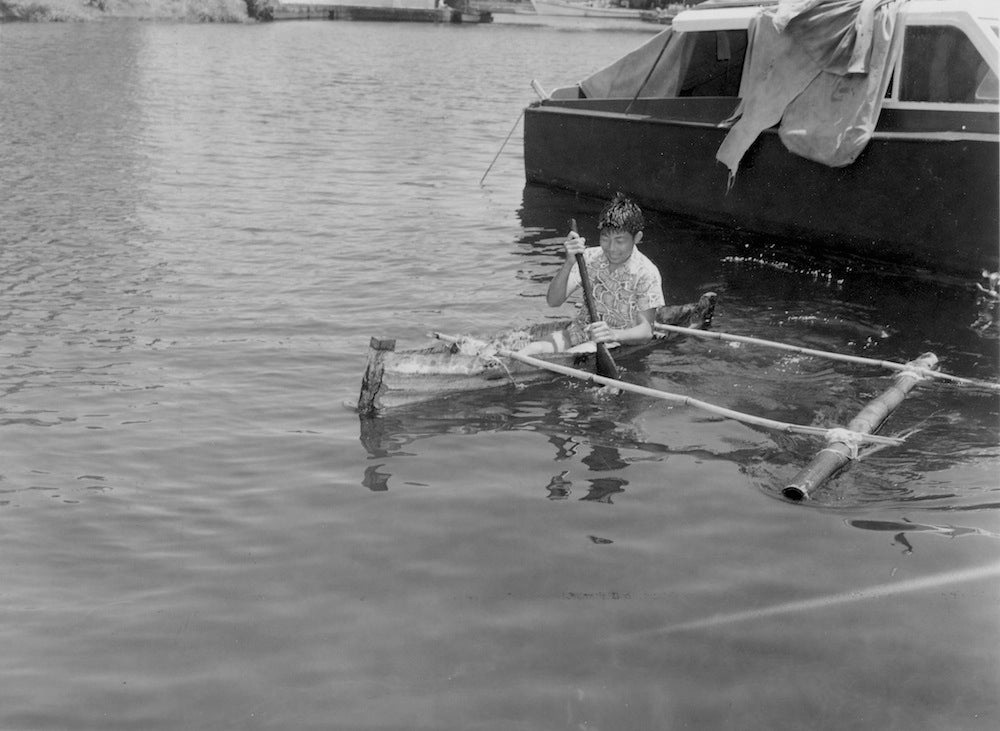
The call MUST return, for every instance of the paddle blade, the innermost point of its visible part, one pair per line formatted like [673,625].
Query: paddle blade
[605,363]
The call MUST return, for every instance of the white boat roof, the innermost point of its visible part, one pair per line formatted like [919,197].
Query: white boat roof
[724,18]
[737,14]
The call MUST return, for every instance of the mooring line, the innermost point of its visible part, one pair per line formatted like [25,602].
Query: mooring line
[506,139]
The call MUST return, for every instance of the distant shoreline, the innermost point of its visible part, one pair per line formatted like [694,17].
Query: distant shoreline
[195,11]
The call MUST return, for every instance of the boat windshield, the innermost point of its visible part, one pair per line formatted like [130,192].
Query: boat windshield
[941,64]
[675,64]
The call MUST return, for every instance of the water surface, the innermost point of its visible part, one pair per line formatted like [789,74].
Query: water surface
[202,227]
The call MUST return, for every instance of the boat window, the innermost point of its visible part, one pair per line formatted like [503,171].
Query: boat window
[940,64]
[714,63]
[989,89]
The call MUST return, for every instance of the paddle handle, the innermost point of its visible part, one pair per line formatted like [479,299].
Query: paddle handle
[606,365]
[588,290]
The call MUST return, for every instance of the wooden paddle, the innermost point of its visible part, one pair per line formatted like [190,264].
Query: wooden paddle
[605,365]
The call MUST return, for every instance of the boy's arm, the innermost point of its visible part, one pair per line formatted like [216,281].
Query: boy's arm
[557,291]
[637,333]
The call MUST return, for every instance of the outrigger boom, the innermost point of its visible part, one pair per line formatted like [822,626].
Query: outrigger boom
[842,443]
[696,403]
[888,364]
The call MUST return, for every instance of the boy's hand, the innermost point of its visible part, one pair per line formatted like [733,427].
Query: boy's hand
[575,244]
[599,332]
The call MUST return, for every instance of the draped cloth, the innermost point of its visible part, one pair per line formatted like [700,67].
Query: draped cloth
[662,67]
[650,71]
[821,69]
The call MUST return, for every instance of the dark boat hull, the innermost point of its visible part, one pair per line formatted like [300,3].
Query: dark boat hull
[916,195]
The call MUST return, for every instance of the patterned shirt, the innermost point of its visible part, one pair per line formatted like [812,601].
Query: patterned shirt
[619,295]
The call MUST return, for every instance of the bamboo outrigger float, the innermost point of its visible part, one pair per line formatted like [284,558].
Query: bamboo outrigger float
[842,444]
[842,447]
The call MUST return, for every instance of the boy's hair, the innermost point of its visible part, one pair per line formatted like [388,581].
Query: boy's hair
[622,214]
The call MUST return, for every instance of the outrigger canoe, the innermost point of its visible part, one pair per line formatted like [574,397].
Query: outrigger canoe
[459,364]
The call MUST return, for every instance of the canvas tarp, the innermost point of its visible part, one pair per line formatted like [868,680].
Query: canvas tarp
[666,66]
[821,69]
[652,70]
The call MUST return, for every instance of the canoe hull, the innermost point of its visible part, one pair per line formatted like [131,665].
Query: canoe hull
[400,378]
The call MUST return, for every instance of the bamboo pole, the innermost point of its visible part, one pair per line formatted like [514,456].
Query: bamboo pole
[889,364]
[841,447]
[695,403]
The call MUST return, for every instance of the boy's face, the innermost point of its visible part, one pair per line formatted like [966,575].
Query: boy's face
[618,244]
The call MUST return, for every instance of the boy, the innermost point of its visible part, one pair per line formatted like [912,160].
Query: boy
[627,286]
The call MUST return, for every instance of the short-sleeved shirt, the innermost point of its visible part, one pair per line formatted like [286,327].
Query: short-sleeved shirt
[619,295]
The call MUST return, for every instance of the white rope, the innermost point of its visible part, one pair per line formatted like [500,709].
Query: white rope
[846,437]
[499,361]
[917,373]
[478,348]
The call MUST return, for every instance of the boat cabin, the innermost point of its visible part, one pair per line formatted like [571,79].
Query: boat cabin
[910,171]
[948,55]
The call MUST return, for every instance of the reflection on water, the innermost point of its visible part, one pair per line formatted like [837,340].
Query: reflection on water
[987,321]
[559,486]
[579,423]
[907,526]
[374,480]
[904,526]
[602,488]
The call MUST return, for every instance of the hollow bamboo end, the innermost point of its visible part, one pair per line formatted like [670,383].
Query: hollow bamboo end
[794,493]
